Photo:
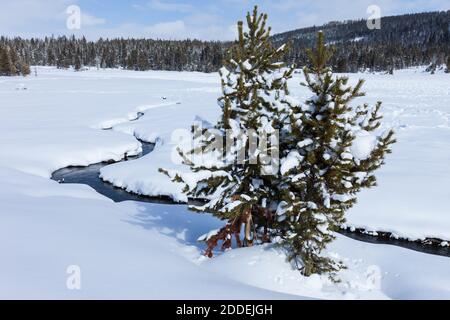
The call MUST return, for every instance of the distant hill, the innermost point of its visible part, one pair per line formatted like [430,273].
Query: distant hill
[403,41]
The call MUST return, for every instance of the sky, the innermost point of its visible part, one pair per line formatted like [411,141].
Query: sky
[181,19]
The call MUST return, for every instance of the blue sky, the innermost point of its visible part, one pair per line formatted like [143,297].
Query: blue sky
[180,19]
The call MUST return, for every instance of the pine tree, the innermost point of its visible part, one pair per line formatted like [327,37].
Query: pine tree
[240,178]
[342,65]
[447,70]
[333,154]
[15,61]
[3,62]
[24,69]
[77,65]
[7,67]
[142,61]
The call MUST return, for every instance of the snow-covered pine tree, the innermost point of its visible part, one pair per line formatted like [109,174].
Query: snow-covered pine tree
[239,178]
[333,154]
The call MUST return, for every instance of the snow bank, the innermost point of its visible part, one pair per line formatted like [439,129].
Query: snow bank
[126,251]
[149,251]
[164,127]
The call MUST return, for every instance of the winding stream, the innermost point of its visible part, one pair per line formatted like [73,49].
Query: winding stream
[91,176]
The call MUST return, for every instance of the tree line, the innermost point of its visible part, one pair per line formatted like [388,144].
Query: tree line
[130,54]
[403,41]
[11,64]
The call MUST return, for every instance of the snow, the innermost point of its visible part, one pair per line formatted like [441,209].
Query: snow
[124,251]
[304,143]
[247,65]
[290,162]
[135,250]
[397,273]
[363,145]
[358,39]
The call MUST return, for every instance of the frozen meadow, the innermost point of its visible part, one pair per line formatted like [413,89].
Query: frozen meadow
[138,250]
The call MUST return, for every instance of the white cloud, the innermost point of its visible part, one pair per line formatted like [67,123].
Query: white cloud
[199,25]
[169,6]
[172,30]
[88,20]
[31,18]
[167,30]
[24,12]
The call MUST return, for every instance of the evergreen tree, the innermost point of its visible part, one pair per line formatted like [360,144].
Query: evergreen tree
[142,61]
[333,154]
[447,70]
[342,65]
[7,67]
[50,58]
[239,178]
[3,62]
[24,69]
[15,61]
[77,65]
[11,64]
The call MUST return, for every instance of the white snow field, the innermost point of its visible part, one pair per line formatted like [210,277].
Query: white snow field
[136,250]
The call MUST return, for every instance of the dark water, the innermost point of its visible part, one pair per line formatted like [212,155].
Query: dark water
[431,248]
[90,176]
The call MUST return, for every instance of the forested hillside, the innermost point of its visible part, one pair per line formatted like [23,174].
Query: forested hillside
[403,41]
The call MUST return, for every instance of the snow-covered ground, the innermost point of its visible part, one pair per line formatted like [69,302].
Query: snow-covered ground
[135,250]
[410,199]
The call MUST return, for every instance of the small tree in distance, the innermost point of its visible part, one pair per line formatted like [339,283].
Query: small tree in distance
[25,69]
[7,67]
[11,64]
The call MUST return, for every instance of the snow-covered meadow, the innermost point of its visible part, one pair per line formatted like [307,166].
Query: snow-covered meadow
[137,250]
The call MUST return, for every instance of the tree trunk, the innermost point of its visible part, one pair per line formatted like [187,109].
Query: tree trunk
[248,228]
